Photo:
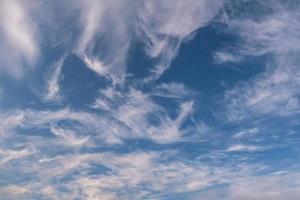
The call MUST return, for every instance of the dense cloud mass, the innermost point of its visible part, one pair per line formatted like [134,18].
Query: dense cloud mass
[149,99]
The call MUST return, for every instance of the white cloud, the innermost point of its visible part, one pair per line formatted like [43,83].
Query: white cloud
[267,186]
[128,114]
[96,65]
[129,176]
[13,192]
[275,91]
[110,28]
[91,20]
[277,187]
[143,175]
[106,24]
[224,57]
[69,137]
[10,121]
[186,110]
[138,115]
[53,88]
[9,155]
[172,90]
[163,25]
[251,132]
[68,153]
[245,148]
[108,174]
[19,45]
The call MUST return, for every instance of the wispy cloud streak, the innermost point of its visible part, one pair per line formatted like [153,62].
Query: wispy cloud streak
[19,44]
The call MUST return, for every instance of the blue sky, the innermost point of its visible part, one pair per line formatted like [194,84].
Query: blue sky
[149,99]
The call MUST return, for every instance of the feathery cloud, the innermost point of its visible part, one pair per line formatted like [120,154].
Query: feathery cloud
[19,44]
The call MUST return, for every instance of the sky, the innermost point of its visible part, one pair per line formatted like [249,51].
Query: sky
[149,99]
